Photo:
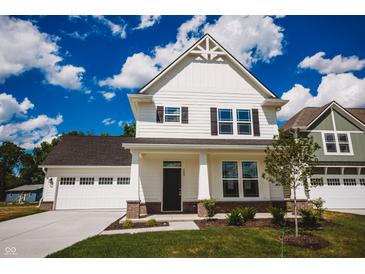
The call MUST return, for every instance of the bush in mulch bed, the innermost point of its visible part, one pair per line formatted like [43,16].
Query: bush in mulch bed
[118,225]
[305,241]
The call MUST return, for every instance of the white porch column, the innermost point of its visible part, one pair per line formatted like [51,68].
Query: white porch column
[133,203]
[203,190]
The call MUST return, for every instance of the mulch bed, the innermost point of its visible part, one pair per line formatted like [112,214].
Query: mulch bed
[117,225]
[223,223]
[305,241]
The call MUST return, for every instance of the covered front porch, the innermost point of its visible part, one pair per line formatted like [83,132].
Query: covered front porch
[167,181]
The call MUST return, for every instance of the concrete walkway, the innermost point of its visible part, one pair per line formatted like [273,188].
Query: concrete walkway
[173,226]
[38,235]
[192,217]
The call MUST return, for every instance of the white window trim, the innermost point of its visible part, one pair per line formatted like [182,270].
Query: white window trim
[251,121]
[235,122]
[219,121]
[169,122]
[335,132]
[241,195]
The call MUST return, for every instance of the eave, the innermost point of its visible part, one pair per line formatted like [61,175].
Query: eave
[278,103]
[134,99]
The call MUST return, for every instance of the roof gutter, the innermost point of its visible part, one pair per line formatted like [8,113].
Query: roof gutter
[192,146]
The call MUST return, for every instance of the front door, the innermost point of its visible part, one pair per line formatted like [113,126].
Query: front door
[171,189]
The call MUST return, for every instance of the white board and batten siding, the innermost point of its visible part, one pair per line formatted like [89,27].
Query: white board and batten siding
[94,196]
[200,86]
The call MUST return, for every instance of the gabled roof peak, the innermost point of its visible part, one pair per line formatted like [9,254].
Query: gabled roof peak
[208,49]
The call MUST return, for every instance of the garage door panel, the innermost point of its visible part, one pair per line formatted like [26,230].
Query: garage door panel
[92,196]
[340,196]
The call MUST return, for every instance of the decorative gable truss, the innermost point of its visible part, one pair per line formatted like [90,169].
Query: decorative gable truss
[207,49]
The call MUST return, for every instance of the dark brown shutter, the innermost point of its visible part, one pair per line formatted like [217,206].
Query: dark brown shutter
[159,114]
[213,121]
[184,115]
[256,123]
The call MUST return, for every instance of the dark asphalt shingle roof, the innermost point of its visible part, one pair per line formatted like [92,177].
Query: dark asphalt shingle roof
[90,151]
[26,188]
[108,150]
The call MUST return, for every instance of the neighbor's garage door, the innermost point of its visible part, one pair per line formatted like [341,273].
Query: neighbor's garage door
[342,191]
[92,193]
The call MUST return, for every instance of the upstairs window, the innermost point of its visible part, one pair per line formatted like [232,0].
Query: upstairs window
[244,122]
[225,119]
[172,114]
[330,142]
[343,142]
[337,143]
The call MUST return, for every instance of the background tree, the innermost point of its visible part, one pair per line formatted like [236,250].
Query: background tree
[289,162]
[129,130]
[10,155]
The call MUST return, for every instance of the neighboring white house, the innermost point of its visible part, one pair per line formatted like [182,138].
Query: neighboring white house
[202,126]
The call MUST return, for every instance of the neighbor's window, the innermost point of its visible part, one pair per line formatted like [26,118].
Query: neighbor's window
[343,142]
[172,114]
[86,181]
[67,181]
[337,143]
[123,181]
[349,182]
[330,140]
[316,181]
[105,180]
[333,181]
[244,121]
[250,179]
[230,179]
[225,119]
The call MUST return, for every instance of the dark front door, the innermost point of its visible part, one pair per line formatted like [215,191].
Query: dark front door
[171,189]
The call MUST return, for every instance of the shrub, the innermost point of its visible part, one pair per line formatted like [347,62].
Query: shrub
[210,206]
[235,217]
[127,224]
[278,215]
[151,223]
[248,213]
[318,205]
[310,218]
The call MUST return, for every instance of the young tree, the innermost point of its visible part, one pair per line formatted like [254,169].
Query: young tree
[289,162]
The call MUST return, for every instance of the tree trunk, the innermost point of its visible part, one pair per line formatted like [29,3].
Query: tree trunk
[295,212]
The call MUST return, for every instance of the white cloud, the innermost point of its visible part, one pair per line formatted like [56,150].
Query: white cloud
[344,88]
[337,64]
[117,30]
[108,121]
[9,107]
[24,47]
[148,21]
[249,38]
[132,75]
[78,35]
[108,95]
[31,133]
[66,76]
[120,123]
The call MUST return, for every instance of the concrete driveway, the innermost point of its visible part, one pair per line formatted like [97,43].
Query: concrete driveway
[44,233]
[360,211]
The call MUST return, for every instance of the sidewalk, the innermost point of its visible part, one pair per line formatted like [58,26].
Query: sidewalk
[173,226]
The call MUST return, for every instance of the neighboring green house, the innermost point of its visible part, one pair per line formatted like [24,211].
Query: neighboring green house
[339,177]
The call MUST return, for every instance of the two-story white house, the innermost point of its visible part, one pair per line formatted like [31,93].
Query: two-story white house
[202,126]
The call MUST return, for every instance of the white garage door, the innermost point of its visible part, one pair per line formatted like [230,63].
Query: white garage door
[92,193]
[341,191]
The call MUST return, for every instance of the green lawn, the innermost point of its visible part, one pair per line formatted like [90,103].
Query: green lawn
[8,212]
[346,240]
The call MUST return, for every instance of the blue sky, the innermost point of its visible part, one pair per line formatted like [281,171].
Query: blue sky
[69,68]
